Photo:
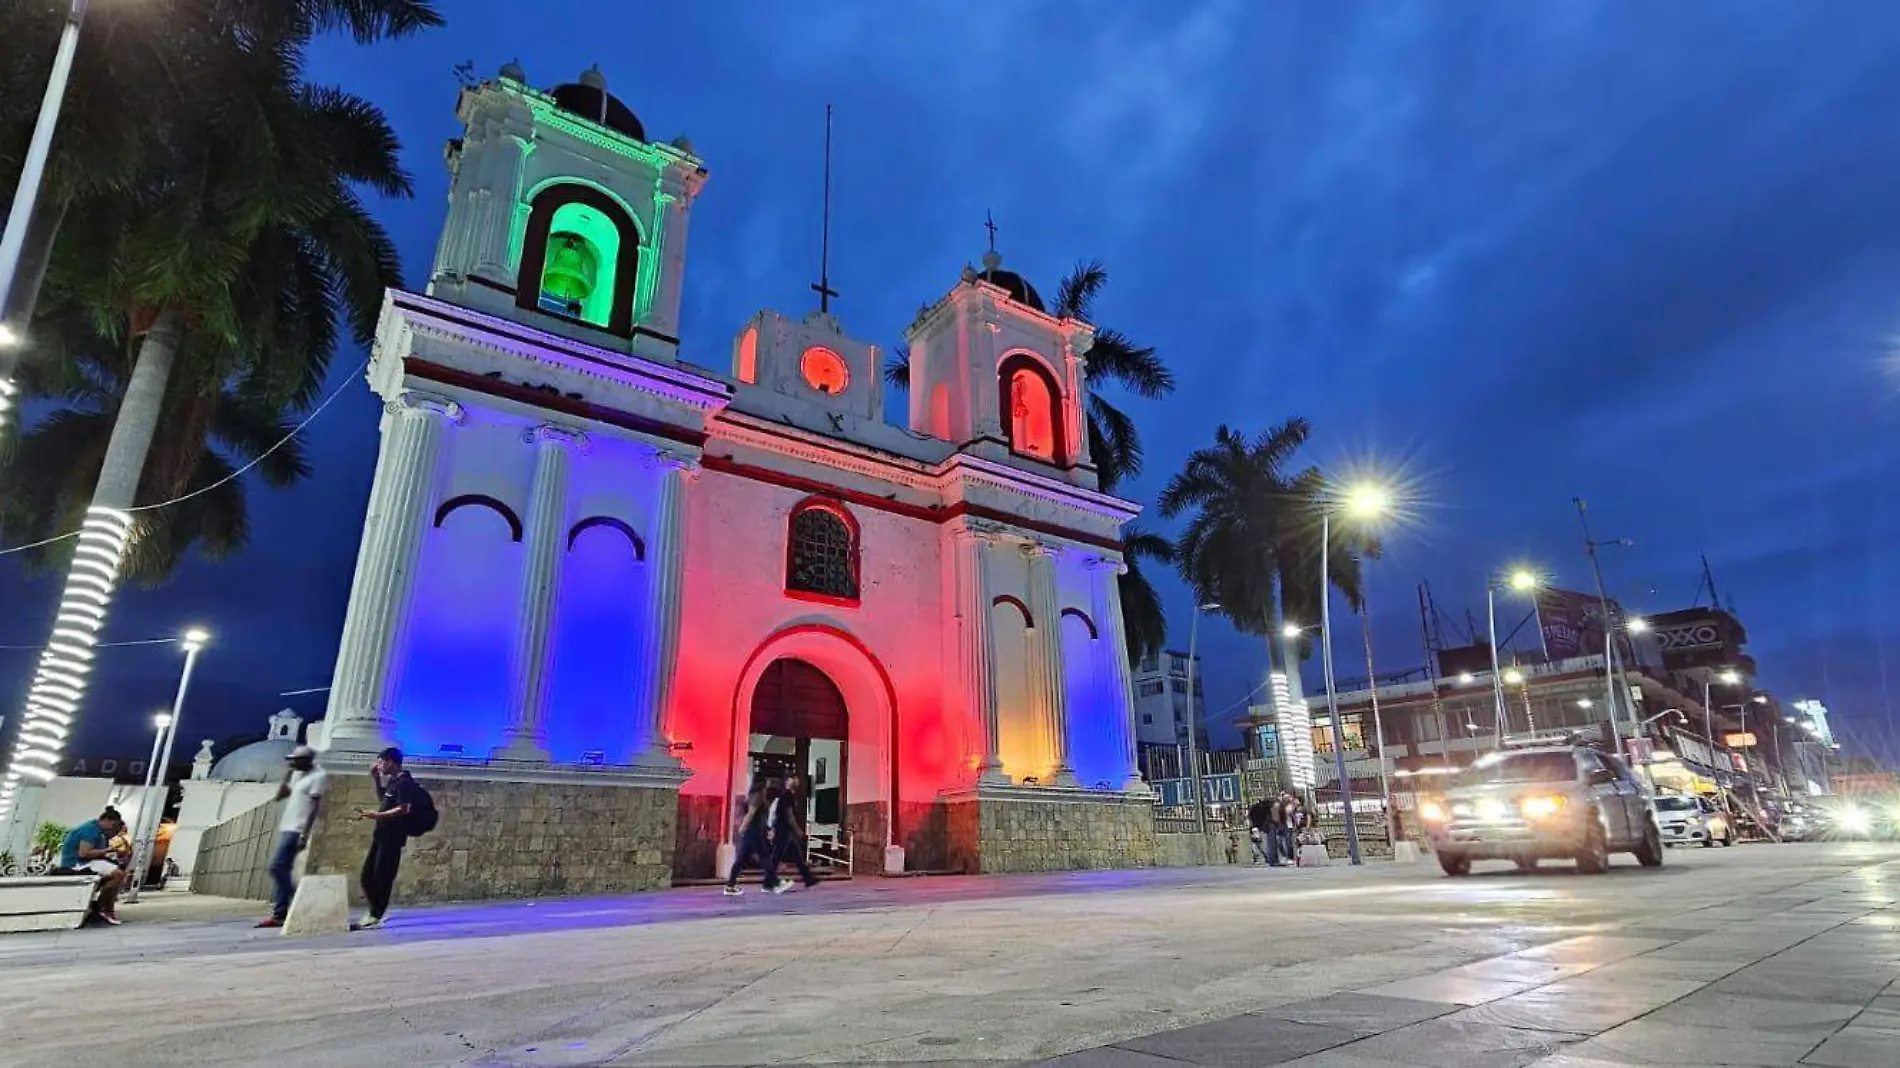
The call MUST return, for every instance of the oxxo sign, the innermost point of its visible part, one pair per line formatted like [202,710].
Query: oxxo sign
[1688,636]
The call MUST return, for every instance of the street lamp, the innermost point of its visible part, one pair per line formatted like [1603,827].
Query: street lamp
[13,238]
[1520,580]
[1727,677]
[193,641]
[1365,502]
[1194,757]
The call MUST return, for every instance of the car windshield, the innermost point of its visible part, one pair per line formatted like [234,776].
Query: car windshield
[1676,804]
[1521,767]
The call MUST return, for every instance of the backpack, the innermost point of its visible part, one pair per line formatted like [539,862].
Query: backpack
[422,816]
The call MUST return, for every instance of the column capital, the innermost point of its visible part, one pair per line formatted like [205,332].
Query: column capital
[986,531]
[410,400]
[553,434]
[666,460]
[1040,550]
[1097,562]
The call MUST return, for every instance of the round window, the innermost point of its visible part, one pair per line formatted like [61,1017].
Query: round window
[824,370]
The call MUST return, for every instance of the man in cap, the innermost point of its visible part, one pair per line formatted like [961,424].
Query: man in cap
[302,793]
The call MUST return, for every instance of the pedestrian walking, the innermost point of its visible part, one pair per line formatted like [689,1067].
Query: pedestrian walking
[398,798]
[755,824]
[302,794]
[1261,833]
[788,838]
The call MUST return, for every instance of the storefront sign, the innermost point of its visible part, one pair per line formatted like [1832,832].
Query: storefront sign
[1743,740]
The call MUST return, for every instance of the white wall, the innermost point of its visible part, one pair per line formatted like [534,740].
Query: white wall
[206,804]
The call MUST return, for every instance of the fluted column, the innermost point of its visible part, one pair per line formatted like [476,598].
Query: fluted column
[360,718]
[1111,647]
[659,634]
[544,543]
[1046,673]
[976,645]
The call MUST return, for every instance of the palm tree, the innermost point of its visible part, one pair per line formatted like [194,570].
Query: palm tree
[1252,543]
[1144,623]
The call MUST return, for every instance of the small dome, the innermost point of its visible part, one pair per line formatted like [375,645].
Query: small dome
[513,71]
[258,762]
[1014,284]
[590,99]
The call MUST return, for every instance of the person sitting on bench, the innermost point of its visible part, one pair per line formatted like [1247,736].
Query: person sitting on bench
[87,850]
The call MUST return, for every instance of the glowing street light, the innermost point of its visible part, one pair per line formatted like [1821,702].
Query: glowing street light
[1519,580]
[1514,677]
[193,642]
[1363,502]
[1636,625]
[1466,678]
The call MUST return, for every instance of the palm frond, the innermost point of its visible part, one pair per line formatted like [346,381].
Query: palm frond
[897,368]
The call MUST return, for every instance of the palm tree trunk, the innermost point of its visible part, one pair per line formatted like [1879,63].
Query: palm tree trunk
[137,421]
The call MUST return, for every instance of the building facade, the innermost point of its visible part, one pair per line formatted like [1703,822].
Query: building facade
[601,592]
[1163,704]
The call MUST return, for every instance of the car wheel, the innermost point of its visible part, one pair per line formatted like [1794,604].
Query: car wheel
[1709,842]
[1728,839]
[1594,857]
[1649,851]
[1454,863]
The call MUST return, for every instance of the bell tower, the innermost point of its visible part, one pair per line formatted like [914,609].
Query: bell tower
[565,217]
[992,371]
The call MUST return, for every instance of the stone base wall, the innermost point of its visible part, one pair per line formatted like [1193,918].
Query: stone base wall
[702,824]
[234,856]
[866,823]
[1024,829]
[500,839]
[1196,850]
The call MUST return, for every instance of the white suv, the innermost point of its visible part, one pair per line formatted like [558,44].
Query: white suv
[1549,800]
[1692,821]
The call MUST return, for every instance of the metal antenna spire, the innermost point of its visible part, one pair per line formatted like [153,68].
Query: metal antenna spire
[823,286]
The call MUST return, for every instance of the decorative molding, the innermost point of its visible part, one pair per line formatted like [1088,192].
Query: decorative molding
[1029,618]
[1094,634]
[411,400]
[621,525]
[480,500]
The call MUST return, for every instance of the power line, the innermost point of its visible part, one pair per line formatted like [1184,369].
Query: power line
[233,476]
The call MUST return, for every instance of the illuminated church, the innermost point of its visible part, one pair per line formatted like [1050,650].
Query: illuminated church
[601,591]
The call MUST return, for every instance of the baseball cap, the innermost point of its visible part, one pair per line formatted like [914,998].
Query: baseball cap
[302,752]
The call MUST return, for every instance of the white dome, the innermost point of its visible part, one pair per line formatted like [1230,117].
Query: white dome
[262,761]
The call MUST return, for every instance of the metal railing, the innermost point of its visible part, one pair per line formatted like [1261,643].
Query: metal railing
[832,851]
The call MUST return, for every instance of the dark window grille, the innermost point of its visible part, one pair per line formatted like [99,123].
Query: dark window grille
[824,555]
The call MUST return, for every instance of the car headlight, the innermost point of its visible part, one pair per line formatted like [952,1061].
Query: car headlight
[1853,819]
[1432,812]
[1542,806]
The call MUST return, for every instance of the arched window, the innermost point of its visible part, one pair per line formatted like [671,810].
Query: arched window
[824,370]
[1032,408]
[822,553]
[579,258]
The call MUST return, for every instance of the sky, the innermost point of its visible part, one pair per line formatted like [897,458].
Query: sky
[1646,254]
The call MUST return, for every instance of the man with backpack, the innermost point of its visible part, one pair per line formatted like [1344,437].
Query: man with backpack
[406,810]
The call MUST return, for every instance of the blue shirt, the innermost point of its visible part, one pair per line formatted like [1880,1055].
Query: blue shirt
[87,833]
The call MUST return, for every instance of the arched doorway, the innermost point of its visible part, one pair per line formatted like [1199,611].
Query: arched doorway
[799,726]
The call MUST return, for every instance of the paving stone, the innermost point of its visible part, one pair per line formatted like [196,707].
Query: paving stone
[1577,1006]
[1464,1044]
[1368,1014]
[1858,1047]
[1242,1041]
[1452,989]
[1653,1041]
[1780,1016]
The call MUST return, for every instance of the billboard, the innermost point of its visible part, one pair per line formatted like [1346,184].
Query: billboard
[1571,623]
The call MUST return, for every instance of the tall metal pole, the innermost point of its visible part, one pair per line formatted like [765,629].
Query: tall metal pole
[1497,673]
[1194,757]
[20,215]
[1372,687]
[1609,630]
[1708,732]
[1332,692]
[142,848]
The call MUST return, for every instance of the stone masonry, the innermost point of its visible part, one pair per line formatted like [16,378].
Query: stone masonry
[501,839]
[1004,829]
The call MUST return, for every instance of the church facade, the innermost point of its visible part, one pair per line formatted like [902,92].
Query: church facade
[600,592]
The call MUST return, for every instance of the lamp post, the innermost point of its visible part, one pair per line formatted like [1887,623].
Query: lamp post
[1364,502]
[13,239]
[193,641]
[1727,677]
[1521,581]
[1193,754]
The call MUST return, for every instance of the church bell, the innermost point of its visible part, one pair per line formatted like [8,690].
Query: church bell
[572,266]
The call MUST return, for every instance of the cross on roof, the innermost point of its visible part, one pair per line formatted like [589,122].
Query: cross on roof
[989,224]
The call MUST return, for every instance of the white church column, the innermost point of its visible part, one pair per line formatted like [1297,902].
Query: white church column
[1111,649]
[660,630]
[360,719]
[1046,674]
[975,594]
[544,544]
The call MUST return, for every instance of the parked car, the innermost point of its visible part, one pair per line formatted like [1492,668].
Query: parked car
[1692,821]
[1543,799]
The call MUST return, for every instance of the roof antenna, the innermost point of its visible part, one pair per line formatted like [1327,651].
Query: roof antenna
[823,286]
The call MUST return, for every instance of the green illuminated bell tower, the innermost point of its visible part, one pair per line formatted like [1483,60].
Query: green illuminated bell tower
[563,216]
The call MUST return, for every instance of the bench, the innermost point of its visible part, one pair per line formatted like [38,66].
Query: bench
[45,902]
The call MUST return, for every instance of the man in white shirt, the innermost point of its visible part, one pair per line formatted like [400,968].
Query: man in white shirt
[301,793]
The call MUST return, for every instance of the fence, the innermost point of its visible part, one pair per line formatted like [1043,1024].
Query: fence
[234,857]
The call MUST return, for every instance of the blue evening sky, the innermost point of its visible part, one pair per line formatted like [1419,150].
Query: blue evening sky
[1644,253]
